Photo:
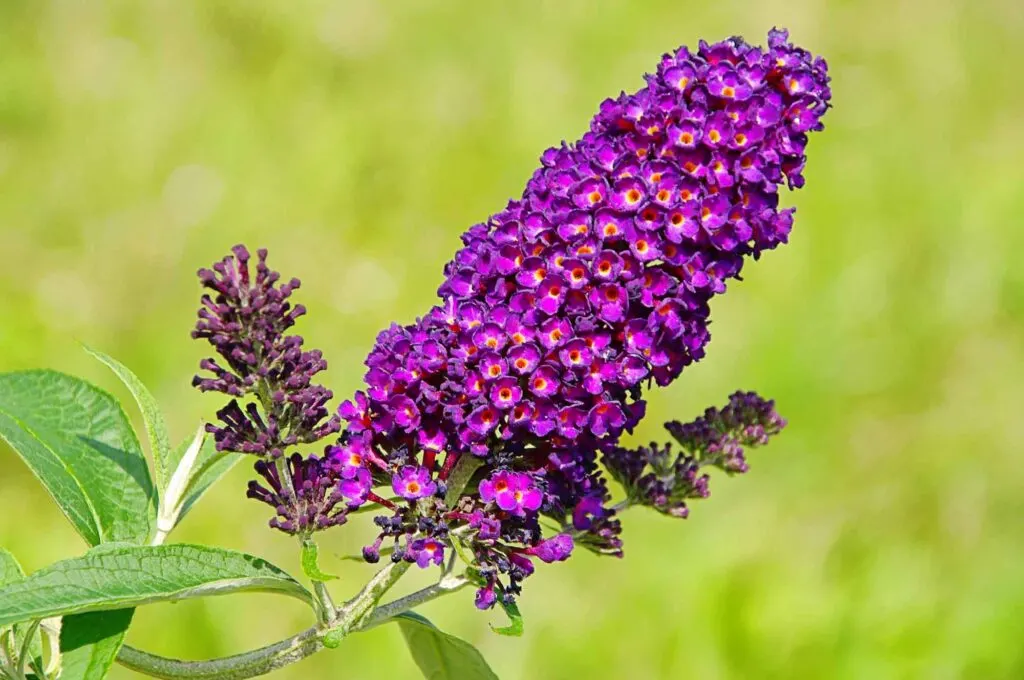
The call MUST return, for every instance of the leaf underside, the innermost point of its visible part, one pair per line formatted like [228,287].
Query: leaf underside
[89,642]
[441,656]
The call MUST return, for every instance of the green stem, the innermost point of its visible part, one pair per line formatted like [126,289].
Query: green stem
[26,647]
[7,653]
[283,653]
[387,611]
[245,665]
[624,504]
[323,598]
[353,612]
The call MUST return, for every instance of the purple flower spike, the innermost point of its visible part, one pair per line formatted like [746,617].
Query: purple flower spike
[719,437]
[659,478]
[316,503]
[245,321]
[562,309]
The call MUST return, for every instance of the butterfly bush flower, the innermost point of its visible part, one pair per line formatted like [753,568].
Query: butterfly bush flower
[245,322]
[494,408]
[275,404]
[659,478]
[412,483]
[718,437]
[562,308]
[512,492]
[425,552]
[310,501]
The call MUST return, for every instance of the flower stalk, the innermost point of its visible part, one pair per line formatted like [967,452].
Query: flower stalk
[353,617]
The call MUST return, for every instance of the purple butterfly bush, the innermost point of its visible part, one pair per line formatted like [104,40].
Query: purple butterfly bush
[245,322]
[275,404]
[552,320]
[657,477]
[310,500]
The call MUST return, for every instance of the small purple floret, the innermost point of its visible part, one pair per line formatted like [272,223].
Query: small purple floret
[513,492]
[413,482]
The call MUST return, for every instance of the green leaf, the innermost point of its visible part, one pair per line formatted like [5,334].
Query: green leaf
[311,562]
[90,642]
[119,577]
[441,656]
[152,418]
[79,443]
[515,628]
[463,471]
[11,572]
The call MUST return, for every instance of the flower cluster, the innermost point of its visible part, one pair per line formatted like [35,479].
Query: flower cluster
[718,437]
[306,498]
[657,477]
[245,321]
[561,308]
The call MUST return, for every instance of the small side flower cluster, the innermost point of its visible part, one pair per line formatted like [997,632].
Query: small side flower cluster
[246,322]
[718,437]
[245,319]
[306,498]
[564,306]
[659,478]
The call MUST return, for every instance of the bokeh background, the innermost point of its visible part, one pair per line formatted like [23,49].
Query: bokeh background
[881,536]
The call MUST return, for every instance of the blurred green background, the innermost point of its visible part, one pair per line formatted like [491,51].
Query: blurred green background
[881,536]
